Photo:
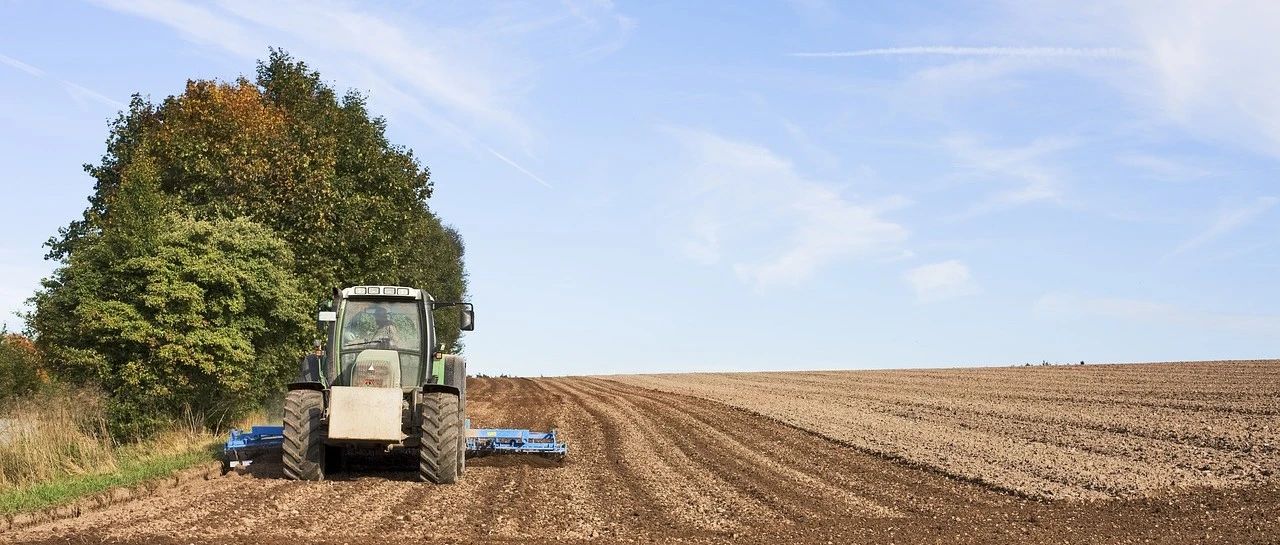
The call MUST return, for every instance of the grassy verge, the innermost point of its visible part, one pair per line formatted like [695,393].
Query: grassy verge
[129,472]
[54,449]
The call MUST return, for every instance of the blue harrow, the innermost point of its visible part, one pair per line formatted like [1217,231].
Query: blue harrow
[490,441]
[242,447]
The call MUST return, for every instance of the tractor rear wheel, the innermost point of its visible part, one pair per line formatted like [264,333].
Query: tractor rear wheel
[438,450]
[304,455]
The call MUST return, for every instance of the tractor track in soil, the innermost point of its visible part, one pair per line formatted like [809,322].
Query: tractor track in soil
[652,466]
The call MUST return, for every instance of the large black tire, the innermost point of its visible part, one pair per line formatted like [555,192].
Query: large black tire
[455,374]
[438,448]
[304,435]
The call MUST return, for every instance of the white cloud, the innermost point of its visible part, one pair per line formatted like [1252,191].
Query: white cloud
[1206,66]
[1164,168]
[748,205]
[1213,66]
[1226,222]
[1025,169]
[940,281]
[466,80]
[1071,306]
[960,51]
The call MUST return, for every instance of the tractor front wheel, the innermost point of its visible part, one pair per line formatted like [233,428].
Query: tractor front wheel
[304,433]
[438,452]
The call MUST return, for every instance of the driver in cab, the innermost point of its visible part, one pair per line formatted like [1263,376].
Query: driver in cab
[385,329]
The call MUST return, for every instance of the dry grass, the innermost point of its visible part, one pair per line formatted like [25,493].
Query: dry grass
[63,433]
[54,434]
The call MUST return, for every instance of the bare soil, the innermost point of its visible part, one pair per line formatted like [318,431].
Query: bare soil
[658,467]
[1060,432]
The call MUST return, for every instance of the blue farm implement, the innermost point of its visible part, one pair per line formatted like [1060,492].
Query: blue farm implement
[491,441]
[243,446]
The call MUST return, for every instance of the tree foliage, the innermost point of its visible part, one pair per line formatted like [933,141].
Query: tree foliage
[21,368]
[171,314]
[214,212]
[286,152]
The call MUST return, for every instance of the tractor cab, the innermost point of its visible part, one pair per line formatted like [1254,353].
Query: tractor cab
[385,337]
[380,342]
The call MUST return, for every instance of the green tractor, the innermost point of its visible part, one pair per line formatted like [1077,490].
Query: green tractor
[381,385]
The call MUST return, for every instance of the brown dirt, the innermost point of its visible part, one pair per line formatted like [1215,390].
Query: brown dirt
[652,466]
[1069,432]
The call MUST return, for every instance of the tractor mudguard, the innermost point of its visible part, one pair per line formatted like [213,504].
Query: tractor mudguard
[306,385]
[429,388]
[309,368]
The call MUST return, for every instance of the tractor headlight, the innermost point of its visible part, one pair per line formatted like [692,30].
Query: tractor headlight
[375,291]
[402,291]
[359,291]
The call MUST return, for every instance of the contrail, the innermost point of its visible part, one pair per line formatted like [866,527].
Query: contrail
[956,51]
[77,91]
[5,59]
[518,167]
[82,91]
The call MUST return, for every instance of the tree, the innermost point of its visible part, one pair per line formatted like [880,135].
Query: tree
[286,152]
[171,314]
[219,218]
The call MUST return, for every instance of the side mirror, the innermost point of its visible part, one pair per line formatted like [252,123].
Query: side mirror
[468,320]
[327,316]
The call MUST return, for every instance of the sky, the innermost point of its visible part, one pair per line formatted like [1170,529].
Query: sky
[713,186]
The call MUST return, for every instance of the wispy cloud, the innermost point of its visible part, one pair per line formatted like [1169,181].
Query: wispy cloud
[941,281]
[1073,306]
[1164,168]
[748,205]
[1025,168]
[79,93]
[465,80]
[516,166]
[1210,67]
[1226,222]
[961,51]
[5,59]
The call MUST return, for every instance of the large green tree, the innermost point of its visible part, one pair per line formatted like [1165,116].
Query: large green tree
[173,315]
[287,152]
[214,212]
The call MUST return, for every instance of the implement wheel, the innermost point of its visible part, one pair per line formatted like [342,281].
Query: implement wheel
[304,436]
[438,452]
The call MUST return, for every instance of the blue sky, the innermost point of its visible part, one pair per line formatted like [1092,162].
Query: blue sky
[658,186]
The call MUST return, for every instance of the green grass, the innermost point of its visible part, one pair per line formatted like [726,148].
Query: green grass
[129,472]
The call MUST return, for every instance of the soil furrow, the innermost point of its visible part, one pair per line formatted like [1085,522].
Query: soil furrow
[650,464]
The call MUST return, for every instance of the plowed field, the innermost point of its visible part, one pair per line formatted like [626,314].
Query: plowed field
[1071,432]
[654,466]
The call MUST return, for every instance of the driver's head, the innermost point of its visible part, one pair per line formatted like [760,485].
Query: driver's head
[381,315]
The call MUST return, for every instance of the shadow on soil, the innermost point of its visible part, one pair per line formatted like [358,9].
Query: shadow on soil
[394,467]
[515,460]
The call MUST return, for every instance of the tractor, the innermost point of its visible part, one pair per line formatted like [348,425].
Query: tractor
[380,383]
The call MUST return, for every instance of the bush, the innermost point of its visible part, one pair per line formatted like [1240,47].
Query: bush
[173,316]
[21,369]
